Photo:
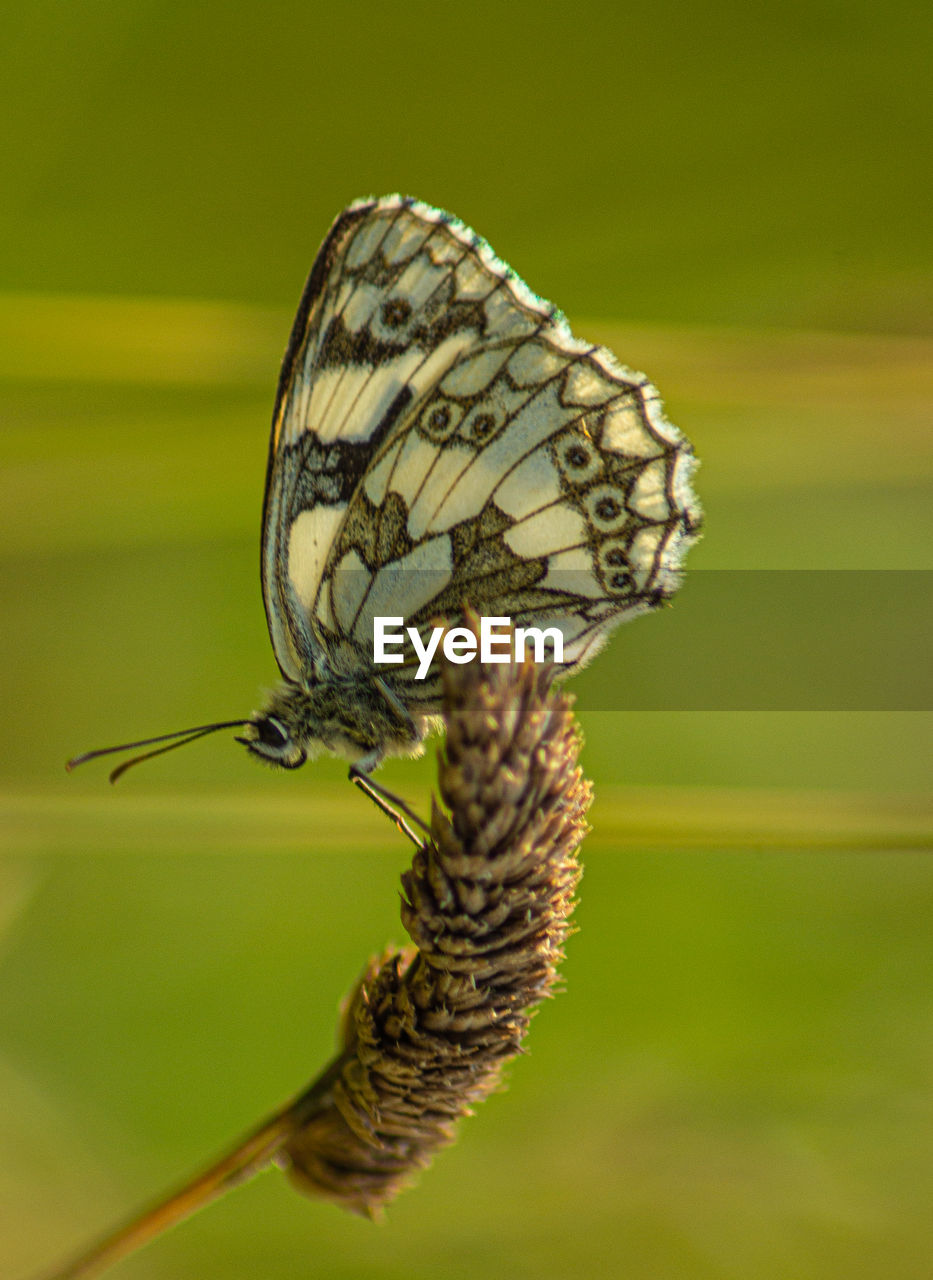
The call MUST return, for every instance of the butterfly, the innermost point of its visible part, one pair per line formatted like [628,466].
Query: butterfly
[442,442]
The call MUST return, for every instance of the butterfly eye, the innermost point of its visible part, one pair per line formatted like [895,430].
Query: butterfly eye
[271,733]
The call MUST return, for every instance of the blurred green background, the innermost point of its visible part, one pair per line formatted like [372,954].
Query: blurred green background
[737,1081]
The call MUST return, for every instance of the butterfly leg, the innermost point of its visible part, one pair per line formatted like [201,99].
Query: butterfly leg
[392,806]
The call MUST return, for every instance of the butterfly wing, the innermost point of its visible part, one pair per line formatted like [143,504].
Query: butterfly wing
[441,439]
[391,302]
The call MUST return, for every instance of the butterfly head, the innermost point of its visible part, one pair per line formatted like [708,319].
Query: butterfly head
[288,730]
[270,738]
[298,723]
[352,716]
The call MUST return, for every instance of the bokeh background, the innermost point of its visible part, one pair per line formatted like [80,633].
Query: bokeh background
[737,1081]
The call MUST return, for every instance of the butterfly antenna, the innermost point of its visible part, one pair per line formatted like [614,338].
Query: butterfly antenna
[179,739]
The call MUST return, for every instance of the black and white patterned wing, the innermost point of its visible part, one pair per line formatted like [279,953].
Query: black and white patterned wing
[442,439]
[398,293]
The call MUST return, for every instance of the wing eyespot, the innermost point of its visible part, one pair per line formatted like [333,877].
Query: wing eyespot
[440,419]
[483,425]
[578,459]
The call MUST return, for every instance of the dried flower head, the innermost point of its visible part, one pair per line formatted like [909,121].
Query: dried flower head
[487,905]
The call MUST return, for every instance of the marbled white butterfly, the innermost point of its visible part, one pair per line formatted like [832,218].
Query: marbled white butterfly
[440,440]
